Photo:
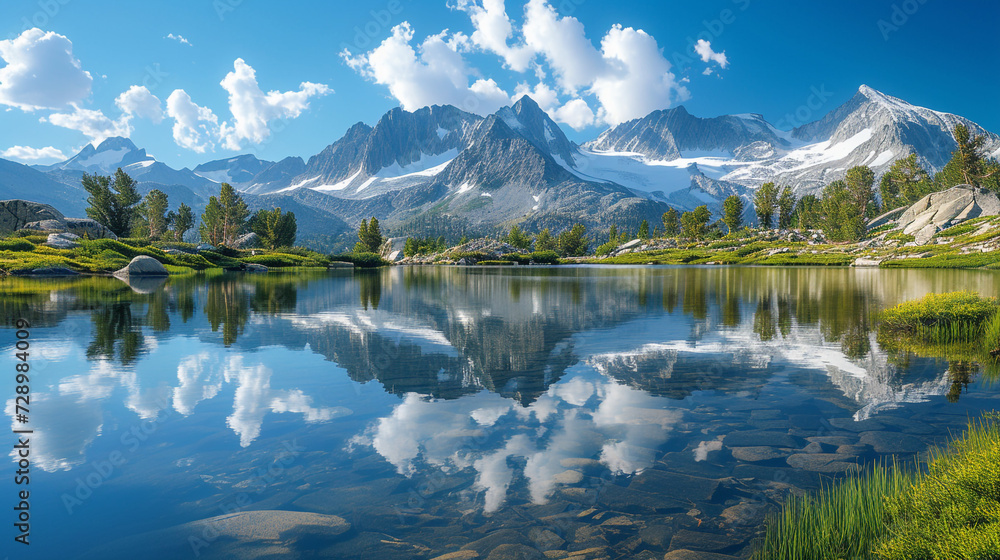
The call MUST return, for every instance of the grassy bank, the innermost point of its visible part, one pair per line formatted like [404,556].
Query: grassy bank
[946,508]
[107,255]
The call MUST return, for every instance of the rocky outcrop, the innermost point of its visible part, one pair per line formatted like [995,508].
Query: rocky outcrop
[16,214]
[62,240]
[941,210]
[392,249]
[246,241]
[86,227]
[142,266]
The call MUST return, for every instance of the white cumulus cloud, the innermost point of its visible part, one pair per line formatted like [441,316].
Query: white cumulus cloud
[93,123]
[433,73]
[640,81]
[41,72]
[704,50]
[27,153]
[253,110]
[576,113]
[140,102]
[493,32]
[195,127]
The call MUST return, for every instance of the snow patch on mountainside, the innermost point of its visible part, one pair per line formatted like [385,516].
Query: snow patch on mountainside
[428,165]
[336,187]
[221,176]
[636,172]
[104,159]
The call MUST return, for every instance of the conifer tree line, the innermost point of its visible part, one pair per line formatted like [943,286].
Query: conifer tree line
[115,202]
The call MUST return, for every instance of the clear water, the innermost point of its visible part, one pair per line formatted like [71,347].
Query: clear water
[622,411]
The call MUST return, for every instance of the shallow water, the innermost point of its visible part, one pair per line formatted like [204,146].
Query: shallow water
[621,411]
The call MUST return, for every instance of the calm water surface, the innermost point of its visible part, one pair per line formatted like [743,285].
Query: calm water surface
[619,411]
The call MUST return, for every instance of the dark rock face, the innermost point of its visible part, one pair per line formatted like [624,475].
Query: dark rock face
[16,214]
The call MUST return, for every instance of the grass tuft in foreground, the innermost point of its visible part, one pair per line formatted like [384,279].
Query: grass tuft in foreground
[841,521]
[949,508]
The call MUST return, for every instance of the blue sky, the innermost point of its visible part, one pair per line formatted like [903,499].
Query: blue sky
[767,57]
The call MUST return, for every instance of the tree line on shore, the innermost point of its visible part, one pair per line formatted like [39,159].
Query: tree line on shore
[115,203]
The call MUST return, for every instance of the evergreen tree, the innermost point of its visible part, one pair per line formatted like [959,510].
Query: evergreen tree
[274,228]
[182,221]
[153,210]
[518,238]
[764,201]
[905,183]
[732,212]
[786,207]
[613,234]
[861,185]
[969,164]
[112,203]
[808,212]
[644,230]
[694,224]
[211,229]
[573,243]
[843,219]
[370,237]
[545,241]
[671,223]
[234,214]
[362,245]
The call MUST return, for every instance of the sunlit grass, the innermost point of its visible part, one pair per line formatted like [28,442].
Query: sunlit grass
[946,508]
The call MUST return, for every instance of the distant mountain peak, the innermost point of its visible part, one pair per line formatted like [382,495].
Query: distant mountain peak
[117,143]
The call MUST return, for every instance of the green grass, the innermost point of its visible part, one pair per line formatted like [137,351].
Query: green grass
[954,509]
[362,260]
[953,317]
[947,508]
[948,260]
[841,521]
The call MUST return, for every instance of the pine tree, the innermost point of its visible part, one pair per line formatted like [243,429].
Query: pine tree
[732,212]
[234,214]
[374,239]
[613,234]
[573,243]
[905,183]
[112,203]
[786,207]
[671,223]
[694,224]
[969,164]
[764,201]
[182,221]
[807,212]
[518,239]
[644,230]
[274,228]
[153,210]
[545,241]
[211,229]
[861,185]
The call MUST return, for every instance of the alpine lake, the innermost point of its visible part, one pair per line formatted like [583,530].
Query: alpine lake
[476,412]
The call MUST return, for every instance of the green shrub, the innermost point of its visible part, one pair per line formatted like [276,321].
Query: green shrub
[136,241]
[516,258]
[545,257]
[362,260]
[900,237]
[495,263]
[606,248]
[16,245]
[939,318]
[281,260]
[474,256]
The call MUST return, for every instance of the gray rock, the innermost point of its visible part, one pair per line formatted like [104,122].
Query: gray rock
[63,240]
[759,454]
[759,438]
[698,540]
[16,214]
[892,442]
[392,249]
[47,225]
[865,262]
[86,227]
[941,210]
[246,241]
[849,424]
[255,268]
[142,266]
[51,272]
[823,462]
[680,487]
[205,247]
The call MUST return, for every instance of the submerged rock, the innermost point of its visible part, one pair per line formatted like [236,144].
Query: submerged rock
[142,266]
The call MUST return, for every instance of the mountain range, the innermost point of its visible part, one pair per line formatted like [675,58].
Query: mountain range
[443,171]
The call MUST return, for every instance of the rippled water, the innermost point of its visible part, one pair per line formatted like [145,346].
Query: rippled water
[619,411]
